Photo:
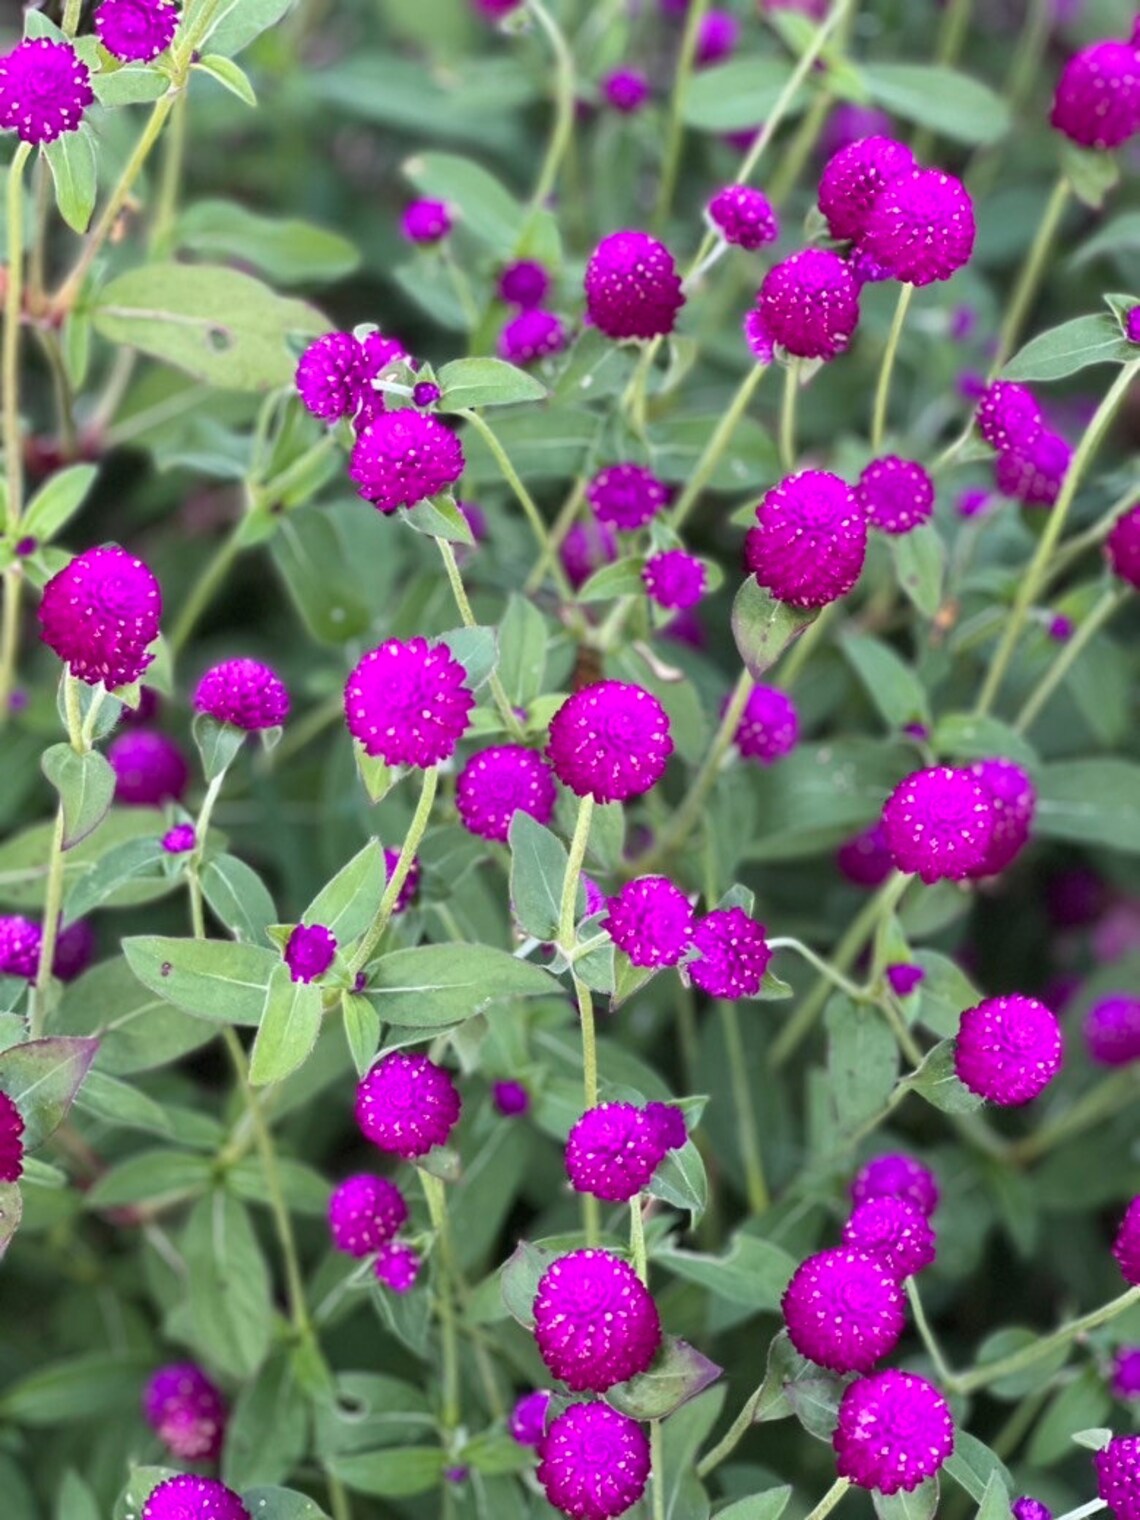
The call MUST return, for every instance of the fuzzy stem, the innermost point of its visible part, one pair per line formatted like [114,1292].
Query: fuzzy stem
[830,1499]
[856,993]
[565,90]
[732,1436]
[657,1467]
[9,637]
[70,23]
[803,648]
[167,203]
[926,1334]
[1071,651]
[719,441]
[558,531]
[205,588]
[591,1212]
[788,416]
[1029,279]
[13,304]
[786,175]
[1115,1092]
[637,1239]
[1028,1356]
[459,591]
[675,130]
[748,1137]
[886,369]
[53,901]
[436,1199]
[399,874]
[574,861]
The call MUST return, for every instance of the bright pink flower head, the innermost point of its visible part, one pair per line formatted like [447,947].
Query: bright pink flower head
[1123,547]
[626,495]
[407,702]
[769,725]
[844,1310]
[245,693]
[1112,1030]
[896,1176]
[1118,1476]
[1008,1049]
[717,38]
[1028,1508]
[332,376]
[594,1321]
[614,1149]
[527,1423]
[593,1462]
[897,494]
[11,1138]
[189,1498]
[497,783]
[854,178]
[733,954]
[426,221]
[1126,1372]
[894,1230]
[45,87]
[1014,800]
[310,951]
[894,1430]
[411,885]
[904,977]
[497,8]
[587,547]
[674,579]
[744,217]
[364,1213]
[809,304]
[810,539]
[939,824]
[626,90]
[524,284]
[531,336]
[510,1099]
[186,1411]
[1126,1246]
[1097,103]
[610,741]
[651,920]
[1008,416]
[149,768]
[407,1104]
[100,613]
[1132,325]
[865,858]
[403,457]
[1034,473]
[20,941]
[397,1266]
[180,839]
[135,31]
[921,227]
[632,287]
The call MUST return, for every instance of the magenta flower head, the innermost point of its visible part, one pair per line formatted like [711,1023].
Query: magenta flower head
[903,977]
[843,1310]
[180,839]
[610,741]
[1034,472]
[189,1498]
[527,1422]
[365,1212]
[1008,1049]
[11,1139]
[865,858]
[614,1149]
[651,920]
[245,693]
[397,1266]
[310,952]
[1118,1476]
[674,579]
[496,9]
[332,376]
[894,1230]
[939,824]
[587,547]
[1126,1246]
[407,1104]
[402,457]
[1126,1372]
[186,1411]
[531,336]
[149,768]
[896,1176]
[1008,416]
[809,304]
[135,31]
[1122,547]
[100,613]
[499,782]
[810,539]
[768,727]
[1028,1508]
[744,217]
[594,1321]
[426,221]
[525,284]
[717,38]
[626,495]
[407,702]
[626,90]
[45,87]
[897,494]
[593,1462]
[632,287]
[510,1099]
[921,227]
[894,1430]
[1112,1030]
[732,956]
[1014,800]
[427,393]
[853,179]
[757,336]
[1097,103]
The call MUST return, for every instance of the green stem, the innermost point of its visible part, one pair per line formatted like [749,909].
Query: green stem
[436,1198]
[1070,652]
[830,1499]
[70,23]
[565,91]
[591,1212]
[732,1436]
[1038,1350]
[804,647]
[403,865]
[339,1502]
[459,591]
[886,369]
[788,416]
[926,1334]
[577,855]
[657,1467]
[1072,549]
[558,531]
[714,449]
[13,311]
[9,637]
[792,160]
[1107,1097]
[637,1252]
[167,202]
[756,1186]
[675,130]
[951,36]
[53,901]
[1029,279]
[856,993]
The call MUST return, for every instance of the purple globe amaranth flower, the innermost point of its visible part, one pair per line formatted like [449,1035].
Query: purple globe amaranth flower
[1008,1049]
[853,179]
[20,941]
[610,741]
[587,547]
[844,1310]
[632,287]
[1122,547]
[593,1462]
[651,920]
[1009,416]
[744,217]
[973,501]
[397,1266]
[1126,1372]
[1014,800]
[939,824]
[186,1411]
[897,494]
[865,858]
[894,1175]
[1034,473]
[245,693]
[1132,325]
[531,336]
[1118,1476]
[426,393]
[769,725]
[626,495]
[1126,1246]
[809,304]
[180,839]
[614,1149]
[365,1212]
[1060,628]
[407,1104]
[332,376]
[426,221]
[310,951]
[810,539]
[626,90]
[525,284]
[1112,1029]
[1028,1508]
[45,87]
[1097,103]
[717,38]
[733,954]
[135,31]
[100,613]
[149,768]
[74,950]
[595,1323]
[894,1430]
[410,887]
[510,1099]
[497,8]
[757,336]
[895,1230]
[400,458]
[674,579]
[11,1140]
[527,1420]
[904,977]
[921,227]
[407,702]
[188,1498]
[499,782]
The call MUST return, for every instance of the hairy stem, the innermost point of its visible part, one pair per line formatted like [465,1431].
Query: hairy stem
[1070,652]
[570,881]
[675,130]
[436,1198]
[886,368]
[459,591]
[1028,1356]
[399,874]
[748,1137]
[788,416]
[1029,278]
[637,1239]
[13,311]
[565,90]
[722,436]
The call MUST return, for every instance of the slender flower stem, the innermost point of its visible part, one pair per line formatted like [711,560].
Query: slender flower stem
[637,1239]
[591,1212]
[459,591]
[657,1467]
[788,416]
[804,647]
[167,203]
[399,874]
[70,24]
[830,1499]
[1029,278]
[9,637]
[856,993]
[926,1334]
[1072,549]
[13,311]
[53,901]
[1044,1346]
[1109,1096]
[1094,1506]
[675,130]
[436,1198]
[1071,651]
[786,174]
[719,440]
[748,1137]
[206,587]
[565,91]
[886,369]
[339,1502]
[732,1436]
[558,531]
[577,855]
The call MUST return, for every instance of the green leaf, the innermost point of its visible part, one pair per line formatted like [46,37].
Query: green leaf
[949,103]
[281,1504]
[348,904]
[965,736]
[440,517]
[938,1082]
[71,159]
[313,557]
[766,1506]
[12,1207]
[920,1503]
[390,1474]
[86,787]
[1119,235]
[212,979]
[433,986]
[407,1316]
[125,862]
[237,23]
[137,1030]
[229,75]
[1090,802]
[70,1390]
[228,1287]
[42,1078]
[267,1432]
[862,1060]
[76,1501]
[681,1180]
[1083,1403]
[1071,347]
[371,1409]
[892,685]
[519,1276]
[118,1104]
[973,1465]
[486,382]
[143,1481]
[920,566]
[59,499]
[286,250]
[137,85]
[763,627]
[361,1030]
[815,1403]
[1091,173]
[754,1273]
[749,462]
[621,578]
[522,650]
[218,744]
[289,1027]
[677,1373]
[157,1177]
[477,651]
[738,94]
[538,867]
[238,897]
[376,775]
[485,207]
[944,992]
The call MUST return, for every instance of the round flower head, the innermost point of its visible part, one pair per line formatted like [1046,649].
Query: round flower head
[894,1430]
[1008,1049]
[769,725]
[614,1149]
[1112,1030]
[149,768]
[245,693]
[1034,472]
[497,783]
[626,495]
[1027,1508]
[587,547]
[189,1498]
[865,858]
[426,221]
[524,284]
[20,941]
[610,741]
[632,287]
[809,304]
[594,1322]
[531,336]
[844,1310]
[733,954]
[527,1422]
[757,336]
[853,179]
[407,1104]
[1014,800]
[1008,416]
[593,1462]
[1118,1476]
[651,920]
[894,1230]
[180,839]
[921,227]
[407,702]
[99,614]
[510,1099]
[744,217]
[897,494]
[903,977]
[810,539]
[896,1176]
[1123,547]
[1126,1246]
[310,952]
[332,376]
[186,1411]
[626,90]
[402,457]
[426,393]
[717,38]
[135,31]
[397,1266]
[44,90]
[1097,103]
[939,824]
[1132,325]
[11,1140]
[364,1214]
[674,579]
